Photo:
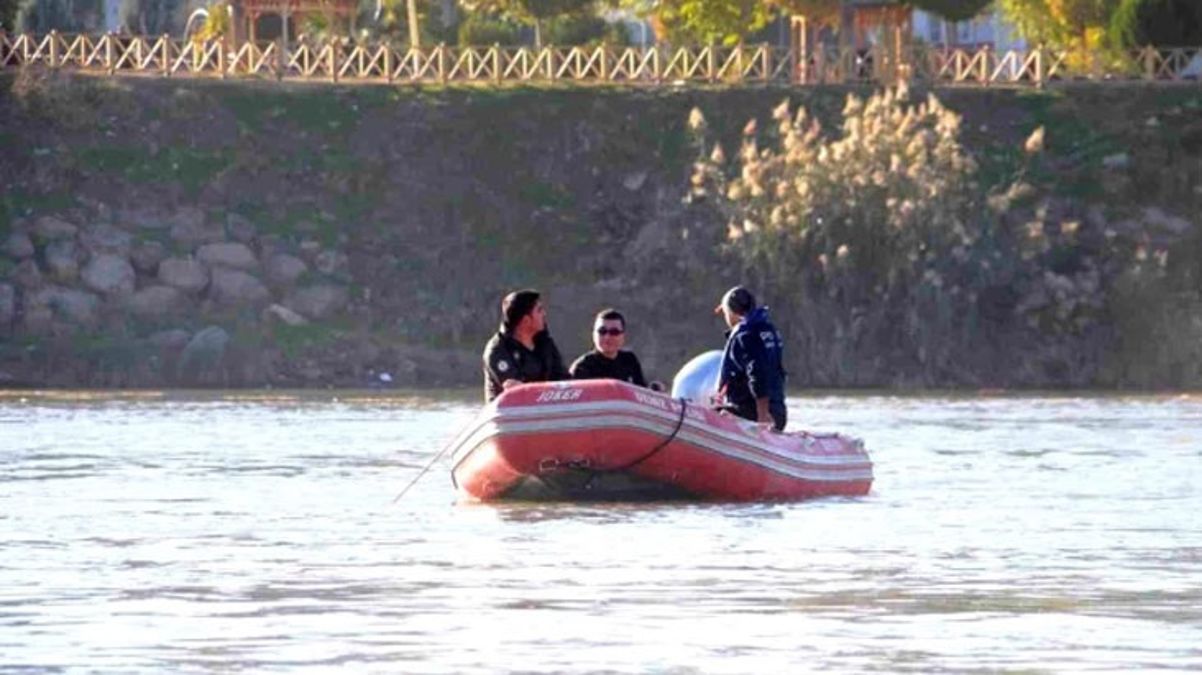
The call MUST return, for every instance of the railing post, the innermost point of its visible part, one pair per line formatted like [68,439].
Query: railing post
[711,70]
[109,61]
[1149,58]
[496,62]
[53,48]
[1039,74]
[165,54]
[221,58]
[604,62]
[331,60]
[767,62]
[442,62]
[985,65]
[388,74]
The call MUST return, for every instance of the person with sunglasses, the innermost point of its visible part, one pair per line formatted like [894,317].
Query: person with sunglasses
[608,360]
[522,350]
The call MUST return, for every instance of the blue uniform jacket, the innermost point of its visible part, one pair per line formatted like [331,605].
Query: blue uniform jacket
[752,366]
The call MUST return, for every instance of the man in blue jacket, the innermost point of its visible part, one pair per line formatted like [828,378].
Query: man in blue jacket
[753,379]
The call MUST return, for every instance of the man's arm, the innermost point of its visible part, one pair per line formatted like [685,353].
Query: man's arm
[499,370]
[637,369]
[758,376]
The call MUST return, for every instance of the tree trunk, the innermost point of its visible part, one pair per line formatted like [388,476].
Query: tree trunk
[415,34]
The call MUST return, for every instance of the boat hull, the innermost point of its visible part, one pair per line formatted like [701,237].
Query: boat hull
[604,439]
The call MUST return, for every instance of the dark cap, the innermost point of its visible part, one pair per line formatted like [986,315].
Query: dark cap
[738,300]
[517,305]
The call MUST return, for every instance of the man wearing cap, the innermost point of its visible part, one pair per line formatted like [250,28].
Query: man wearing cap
[752,380]
[522,350]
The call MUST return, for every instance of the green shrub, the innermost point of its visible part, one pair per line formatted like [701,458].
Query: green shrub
[481,30]
[583,29]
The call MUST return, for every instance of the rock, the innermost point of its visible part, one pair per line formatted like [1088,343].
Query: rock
[285,315]
[1117,161]
[18,245]
[284,269]
[50,228]
[240,228]
[185,274]
[202,357]
[1159,219]
[62,260]
[8,306]
[156,302]
[146,257]
[232,255]
[235,288]
[145,219]
[109,274]
[331,263]
[188,227]
[106,239]
[318,302]
[170,339]
[27,275]
[74,306]
[634,182]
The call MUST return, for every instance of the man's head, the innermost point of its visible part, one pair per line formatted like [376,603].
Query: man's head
[609,332]
[737,303]
[523,312]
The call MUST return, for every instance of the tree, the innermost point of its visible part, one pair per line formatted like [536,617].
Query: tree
[535,12]
[1160,23]
[1075,24]
[8,15]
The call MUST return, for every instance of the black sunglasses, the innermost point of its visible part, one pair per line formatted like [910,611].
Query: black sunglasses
[609,331]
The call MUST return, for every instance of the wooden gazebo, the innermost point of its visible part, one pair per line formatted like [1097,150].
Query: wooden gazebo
[854,21]
[248,13]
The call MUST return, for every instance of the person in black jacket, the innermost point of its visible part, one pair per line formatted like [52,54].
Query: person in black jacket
[753,378]
[608,360]
[522,350]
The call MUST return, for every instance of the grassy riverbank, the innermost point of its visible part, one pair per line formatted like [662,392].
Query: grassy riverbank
[414,209]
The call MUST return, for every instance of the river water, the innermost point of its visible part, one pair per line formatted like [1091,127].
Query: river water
[257,531]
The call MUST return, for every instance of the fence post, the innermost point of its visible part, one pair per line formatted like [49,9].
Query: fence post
[221,58]
[53,48]
[711,70]
[442,62]
[388,74]
[165,41]
[767,54]
[1039,73]
[1149,57]
[496,62]
[110,63]
[331,59]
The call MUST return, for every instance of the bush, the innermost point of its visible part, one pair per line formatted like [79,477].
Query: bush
[478,31]
[877,210]
[583,30]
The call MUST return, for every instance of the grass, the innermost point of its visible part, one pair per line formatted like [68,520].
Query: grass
[192,168]
[294,341]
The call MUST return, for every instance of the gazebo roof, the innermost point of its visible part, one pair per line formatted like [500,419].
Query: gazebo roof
[299,6]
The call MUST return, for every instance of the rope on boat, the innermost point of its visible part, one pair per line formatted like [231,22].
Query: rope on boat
[684,404]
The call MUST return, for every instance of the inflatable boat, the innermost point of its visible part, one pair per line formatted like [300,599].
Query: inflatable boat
[609,440]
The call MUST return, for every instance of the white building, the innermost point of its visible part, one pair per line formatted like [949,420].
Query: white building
[988,29]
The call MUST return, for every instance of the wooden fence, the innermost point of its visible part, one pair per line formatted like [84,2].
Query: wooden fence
[342,60]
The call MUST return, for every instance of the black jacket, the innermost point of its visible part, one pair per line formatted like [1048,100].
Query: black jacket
[596,366]
[751,367]
[507,359]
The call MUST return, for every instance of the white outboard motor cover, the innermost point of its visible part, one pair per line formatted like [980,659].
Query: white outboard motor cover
[698,380]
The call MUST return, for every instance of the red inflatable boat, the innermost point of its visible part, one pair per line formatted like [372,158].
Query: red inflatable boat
[605,439]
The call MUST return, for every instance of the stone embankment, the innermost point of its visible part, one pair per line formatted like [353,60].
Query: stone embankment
[155,278]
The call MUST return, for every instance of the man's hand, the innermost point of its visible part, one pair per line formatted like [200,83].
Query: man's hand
[510,384]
